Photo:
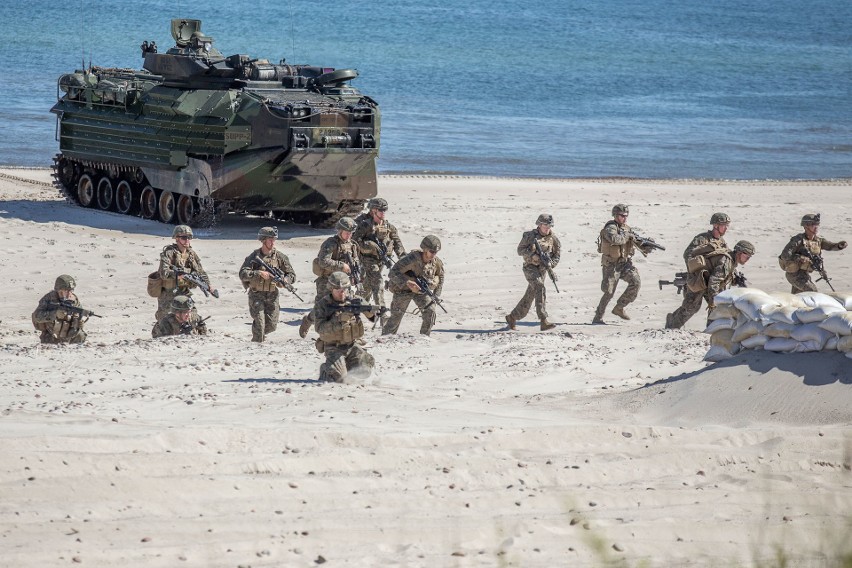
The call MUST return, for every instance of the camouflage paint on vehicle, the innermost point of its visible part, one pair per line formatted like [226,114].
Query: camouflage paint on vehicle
[196,132]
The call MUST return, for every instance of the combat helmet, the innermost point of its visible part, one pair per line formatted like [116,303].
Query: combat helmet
[719,219]
[338,280]
[64,282]
[346,224]
[544,219]
[267,232]
[181,303]
[431,243]
[810,219]
[620,209]
[377,203]
[182,231]
[744,247]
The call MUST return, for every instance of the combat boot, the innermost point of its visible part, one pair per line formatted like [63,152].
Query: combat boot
[510,319]
[304,327]
[545,325]
[670,321]
[598,316]
[619,311]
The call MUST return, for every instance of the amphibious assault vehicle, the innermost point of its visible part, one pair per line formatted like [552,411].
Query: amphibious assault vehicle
[196,134]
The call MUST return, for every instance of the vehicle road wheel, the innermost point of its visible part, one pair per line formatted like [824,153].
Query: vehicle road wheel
[185,210]
[124,197]
[86,190]
[166,206]
[148,203]
[105,193]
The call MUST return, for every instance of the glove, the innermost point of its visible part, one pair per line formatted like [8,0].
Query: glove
[535,259]
[841,245]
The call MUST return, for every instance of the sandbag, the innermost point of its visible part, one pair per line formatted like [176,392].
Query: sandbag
[844,344]
[728,296]
[811,332]
[781,344]
[849,355]
[723,337]
[755,304]
[831,344]
[817,314]
[779,329]
[808,346]
[783,314]
[839,323]
[816,299]
[788,299]
[755,342]
[748,329]
[717,353]
[725,311]
[723,323]
[844,299]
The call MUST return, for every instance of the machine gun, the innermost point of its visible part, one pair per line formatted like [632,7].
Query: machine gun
[357,306]
[546,261]
[424,288]
[190,276]
[68,306]
[278,276]
[679,281]
[383,250]
[645,242]
[819,266]
[186,328]
[354,270]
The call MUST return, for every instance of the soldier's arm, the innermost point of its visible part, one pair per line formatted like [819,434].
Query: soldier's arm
[195,263]
[286,267]
[167,258]
[826,244]
[557,252]
[616,235]
[247,271]
[397,272]
[439,277]
[324,257]
[43,313]
[526,248]
[362,231]
[721,271]
[398,248]
[325,320]
[161,329]
[790,252]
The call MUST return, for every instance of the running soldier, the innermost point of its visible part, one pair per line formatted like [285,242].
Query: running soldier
[535,270]
[337,253]
[339,333]
[704,245]
[376,238]
[797,257]
[181,255]
[59,315]
[262,287]
[617,246]
[182,320]
[421,264]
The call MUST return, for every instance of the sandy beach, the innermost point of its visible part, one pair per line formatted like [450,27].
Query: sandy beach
[582,446]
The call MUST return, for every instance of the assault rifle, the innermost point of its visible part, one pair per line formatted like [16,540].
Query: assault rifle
[819,266]
[68,306]
[679,281]
[546,261]
[424,288]
[278,276]
[354,270]
[357,306]
[190,276]
[188,327]
[645,242]
[383,250]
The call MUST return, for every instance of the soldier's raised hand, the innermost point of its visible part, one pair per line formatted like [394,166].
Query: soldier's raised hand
[841,245]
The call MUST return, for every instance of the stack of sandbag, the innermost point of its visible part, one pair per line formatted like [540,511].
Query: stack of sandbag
[748,318]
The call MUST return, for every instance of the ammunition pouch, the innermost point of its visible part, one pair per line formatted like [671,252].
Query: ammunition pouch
[317,269]
[789,266]
[697,281]
[696,264]
[155,284]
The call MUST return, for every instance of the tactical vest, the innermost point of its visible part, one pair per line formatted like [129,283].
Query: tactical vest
[346,332]
[258,284]
[612,251]
[183,260]
[812,246]
[701,256]
[340,251]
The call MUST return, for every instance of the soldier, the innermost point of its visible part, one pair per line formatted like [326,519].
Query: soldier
[423,263]
[180,254]
[535,271]
[794,258]
[262,288]
[57,316]
[617,246]
[337,253]
[709,245]
[182,320]
[339,333]
[371,230]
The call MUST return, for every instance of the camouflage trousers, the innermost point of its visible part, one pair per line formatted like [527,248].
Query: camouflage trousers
[535,292]
[400,303]
[374,288]
[48,338]
[264,310]
[164,301]
[612,273]
[801,281]
[688,308]
[343,359]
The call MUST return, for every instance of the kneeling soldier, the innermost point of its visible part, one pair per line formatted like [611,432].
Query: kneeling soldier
[262,287]
[423,264]
[59,315]
[339,331]
[182,320]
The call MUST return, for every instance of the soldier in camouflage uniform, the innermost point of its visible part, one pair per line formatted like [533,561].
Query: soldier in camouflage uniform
[339,333]
[797,266]
[262,289]
[56,324]
[422,263]
[182,320]
[710,242]
[337,253]
[372,227]
[617,246]
[535,272]
[182,255]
